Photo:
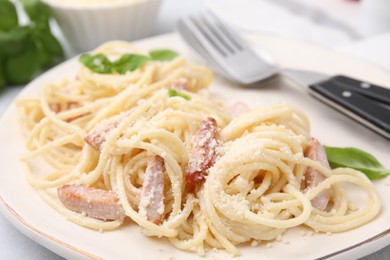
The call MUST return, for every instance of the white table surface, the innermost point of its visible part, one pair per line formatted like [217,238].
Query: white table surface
[339,29]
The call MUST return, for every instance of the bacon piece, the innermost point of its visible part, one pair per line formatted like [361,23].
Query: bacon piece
[237,109]
[152,194]
[95,203]
[204,151]
[70,119]
[316,152]
[72,105]
[180,84]
[56,107]
[97,136]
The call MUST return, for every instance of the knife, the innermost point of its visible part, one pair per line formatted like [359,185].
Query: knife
[364,102]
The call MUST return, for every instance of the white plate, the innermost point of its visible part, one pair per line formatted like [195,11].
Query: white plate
[28,212]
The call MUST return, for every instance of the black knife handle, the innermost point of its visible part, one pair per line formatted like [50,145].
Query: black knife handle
[360,108]
[367,89]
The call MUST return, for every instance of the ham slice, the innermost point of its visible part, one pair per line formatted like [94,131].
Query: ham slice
[180,84]
[316,152]
[204,151]
[237,109]
[152,194]
[97,136]
[94,203]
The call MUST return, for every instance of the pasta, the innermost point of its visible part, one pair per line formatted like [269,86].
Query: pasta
[181,168]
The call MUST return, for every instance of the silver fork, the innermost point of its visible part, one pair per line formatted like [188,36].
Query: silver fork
[231,56]
[223,49]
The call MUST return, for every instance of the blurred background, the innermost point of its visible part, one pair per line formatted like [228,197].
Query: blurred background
[32,41]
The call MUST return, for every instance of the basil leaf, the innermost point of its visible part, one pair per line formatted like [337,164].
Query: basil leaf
[2,78]
[14,41]
[28,49]
[43,56]
[356,159]
[129,62]
[163,55]
[23,67]
[8,15]
[37,11]
[175,93]
[50,50]
[51,44]
[98,63]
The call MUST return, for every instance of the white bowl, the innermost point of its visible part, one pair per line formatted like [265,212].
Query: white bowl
[88,23]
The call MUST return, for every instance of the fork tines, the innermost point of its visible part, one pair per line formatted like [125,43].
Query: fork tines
[217,33]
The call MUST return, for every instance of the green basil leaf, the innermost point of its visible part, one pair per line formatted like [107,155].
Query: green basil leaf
[356,159]
[26,50]
[2,78]
[22,67]
[51,44]
[50,50]
[37,11]
[8,15]
[98,63]
[14,41]
[129,62]
[175,93]
[163,55]
[44,57]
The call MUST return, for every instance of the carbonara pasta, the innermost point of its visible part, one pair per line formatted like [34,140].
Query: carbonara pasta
[182,165]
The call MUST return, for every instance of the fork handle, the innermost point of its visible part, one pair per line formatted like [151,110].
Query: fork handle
[353,103]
